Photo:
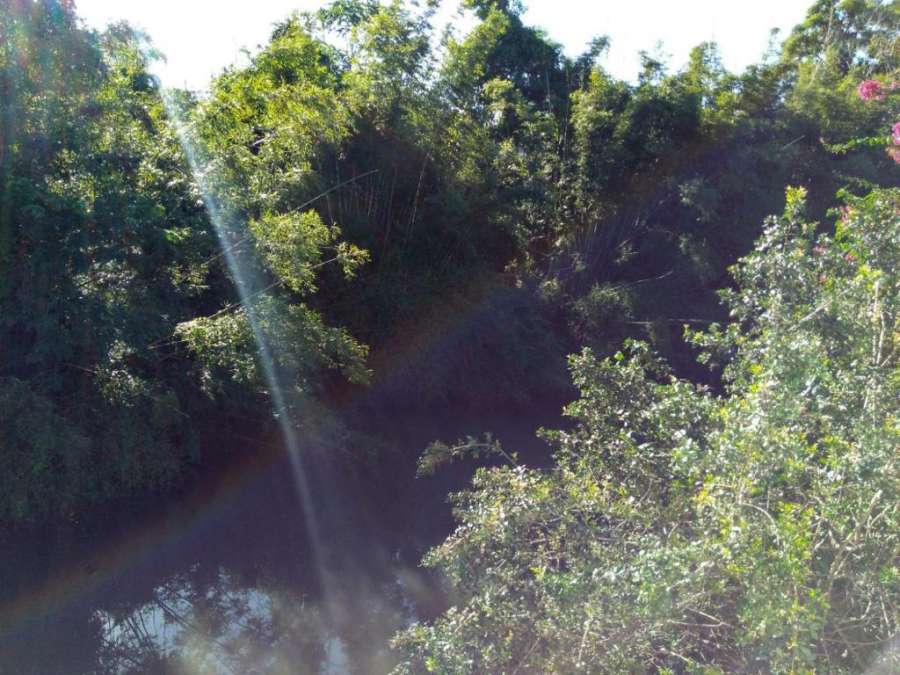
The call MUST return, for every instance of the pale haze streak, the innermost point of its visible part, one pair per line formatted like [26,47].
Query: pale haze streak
[201,37]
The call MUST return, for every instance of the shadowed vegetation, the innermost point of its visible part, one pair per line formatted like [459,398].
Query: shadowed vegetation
[435,224]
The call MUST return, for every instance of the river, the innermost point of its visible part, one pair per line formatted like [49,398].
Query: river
[219,576]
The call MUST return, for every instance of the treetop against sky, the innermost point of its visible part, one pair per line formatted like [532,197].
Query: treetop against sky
[200,37]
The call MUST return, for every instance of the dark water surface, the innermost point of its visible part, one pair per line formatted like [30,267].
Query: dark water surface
[221,578]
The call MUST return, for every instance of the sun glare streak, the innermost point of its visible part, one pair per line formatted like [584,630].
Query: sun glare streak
[249,289]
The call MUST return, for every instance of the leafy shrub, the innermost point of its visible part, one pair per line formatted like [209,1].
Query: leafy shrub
[679,531]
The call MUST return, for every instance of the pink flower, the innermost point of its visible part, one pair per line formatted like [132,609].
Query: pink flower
[869,90]
[894,154]
[849,257]
[895,133]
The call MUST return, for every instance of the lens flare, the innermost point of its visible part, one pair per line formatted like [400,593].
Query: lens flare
[231,231]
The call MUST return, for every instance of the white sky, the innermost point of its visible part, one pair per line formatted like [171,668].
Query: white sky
[200,37]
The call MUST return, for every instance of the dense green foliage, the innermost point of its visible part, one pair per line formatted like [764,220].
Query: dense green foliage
[679,531]
[101,239]
[470,212]
[123,340]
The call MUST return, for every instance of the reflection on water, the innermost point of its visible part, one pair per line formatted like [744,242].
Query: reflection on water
[201,626]
[221,579]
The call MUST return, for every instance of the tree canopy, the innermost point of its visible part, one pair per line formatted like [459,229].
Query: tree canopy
[472,208]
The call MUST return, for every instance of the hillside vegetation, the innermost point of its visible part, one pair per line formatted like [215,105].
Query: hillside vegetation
[442,222]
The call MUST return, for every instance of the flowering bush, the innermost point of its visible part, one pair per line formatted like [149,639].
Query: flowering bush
[870,90]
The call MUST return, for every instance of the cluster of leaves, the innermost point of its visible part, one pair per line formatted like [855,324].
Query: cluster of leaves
[123,340]
[101,239]
[621,204]
[618,205]
[678,531]
[324,196]
[253,143]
